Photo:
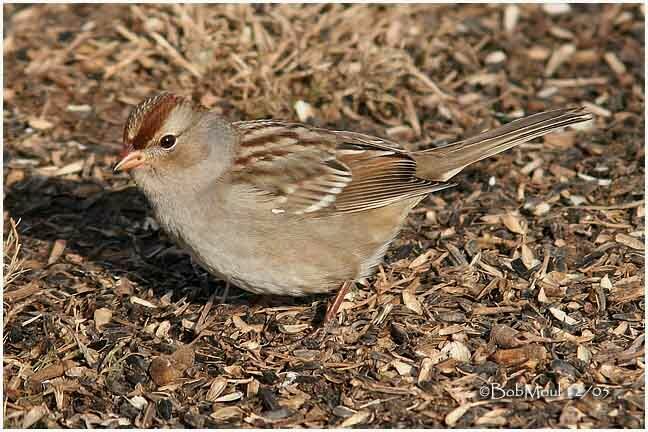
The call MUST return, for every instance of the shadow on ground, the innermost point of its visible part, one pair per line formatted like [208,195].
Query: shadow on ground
[111,231]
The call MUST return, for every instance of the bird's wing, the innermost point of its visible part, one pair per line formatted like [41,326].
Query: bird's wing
[311,171]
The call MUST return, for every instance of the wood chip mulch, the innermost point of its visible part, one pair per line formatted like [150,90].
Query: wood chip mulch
[529,273]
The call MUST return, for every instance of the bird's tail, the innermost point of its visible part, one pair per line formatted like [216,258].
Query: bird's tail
[443,163]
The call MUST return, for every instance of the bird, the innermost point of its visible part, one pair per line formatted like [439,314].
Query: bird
[285,208]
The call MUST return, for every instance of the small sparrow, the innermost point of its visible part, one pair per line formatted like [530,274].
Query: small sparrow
[287,208]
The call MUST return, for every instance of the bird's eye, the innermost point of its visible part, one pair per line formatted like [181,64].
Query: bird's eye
[167,141]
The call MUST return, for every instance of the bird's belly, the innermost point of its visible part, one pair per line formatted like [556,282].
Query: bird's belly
[264,273]
[271,261]
[282,254]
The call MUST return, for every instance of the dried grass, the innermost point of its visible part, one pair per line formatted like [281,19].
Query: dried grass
[13,262]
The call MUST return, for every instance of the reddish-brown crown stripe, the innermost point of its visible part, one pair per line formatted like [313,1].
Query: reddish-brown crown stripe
[153,119]
[147,118]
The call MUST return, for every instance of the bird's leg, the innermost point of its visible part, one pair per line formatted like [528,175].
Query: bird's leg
[225,291]
[202,275]
[337,301]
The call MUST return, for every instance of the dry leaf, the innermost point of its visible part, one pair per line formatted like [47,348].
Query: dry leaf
[558,57]
[251,345]
[570,417]
[226,413]
[514,223]
[492,219]
[618,375]
[230,397]
[39,123]
[562,316]
[361,417]
[245,327]
[455,415]
[528,259]
[542,296]
[421,259]
[216,388]
[163,329]
[292,328]
[402,368]
[541,209]
[425,374]
[496,417]
[294,402]
[511,17]
[583,354]
[33,415]
[615,64]
[304,111]
[412,303]
[531,354]
[252,388]
[457,351]
[71,168]
[57,251]
[605,283]
[629,241]
[138,402]
[145,303]
[556,8]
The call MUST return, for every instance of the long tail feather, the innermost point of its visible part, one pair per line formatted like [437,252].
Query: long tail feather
[443,163]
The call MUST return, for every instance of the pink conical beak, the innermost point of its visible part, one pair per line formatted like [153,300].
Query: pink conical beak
[131,160]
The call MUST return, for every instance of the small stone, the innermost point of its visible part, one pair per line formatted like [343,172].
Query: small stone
[102,317]
[164,408]
[505,336]
[495,57]
[162,371]
[166,369]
